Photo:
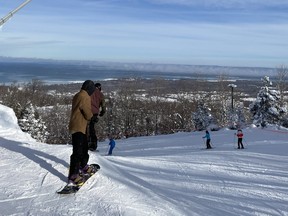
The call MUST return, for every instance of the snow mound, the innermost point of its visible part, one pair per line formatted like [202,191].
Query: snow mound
[9,128]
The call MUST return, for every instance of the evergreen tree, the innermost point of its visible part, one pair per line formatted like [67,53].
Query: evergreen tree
[56,120]
[266,108]
[202,118]
[241,121]
[236,118]
[31,123]
[232,118]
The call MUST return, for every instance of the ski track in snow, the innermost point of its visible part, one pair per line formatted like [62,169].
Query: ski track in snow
[154,176]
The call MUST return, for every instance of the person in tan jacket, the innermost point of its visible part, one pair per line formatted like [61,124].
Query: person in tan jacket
[81,113]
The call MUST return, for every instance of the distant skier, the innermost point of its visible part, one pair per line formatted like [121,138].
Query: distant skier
[112,144]
[208,140]
[240,135]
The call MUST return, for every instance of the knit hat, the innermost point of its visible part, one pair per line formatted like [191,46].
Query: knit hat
[98,85]
[89,87]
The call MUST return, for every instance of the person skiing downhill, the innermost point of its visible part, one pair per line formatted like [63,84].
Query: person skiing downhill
[80,114]
[208,140]
[111,144]
[98,107]
[240,135]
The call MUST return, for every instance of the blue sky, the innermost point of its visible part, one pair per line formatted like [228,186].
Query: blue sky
[196,32]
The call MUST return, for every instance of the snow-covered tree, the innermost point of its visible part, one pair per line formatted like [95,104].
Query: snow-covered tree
[232,120]
[281,82]
[31,123]
[266,108]
[56,120]
[241,120]
[236,117]
[202,118]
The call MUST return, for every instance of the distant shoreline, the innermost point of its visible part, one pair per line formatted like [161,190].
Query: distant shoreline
[52,72]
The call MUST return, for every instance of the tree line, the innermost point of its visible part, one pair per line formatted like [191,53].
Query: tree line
[141,107]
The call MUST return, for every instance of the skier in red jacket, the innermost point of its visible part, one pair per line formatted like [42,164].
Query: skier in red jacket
[240,135]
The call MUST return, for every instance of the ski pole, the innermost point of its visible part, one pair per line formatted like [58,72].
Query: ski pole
[204,142]
[234,140]
[245,141]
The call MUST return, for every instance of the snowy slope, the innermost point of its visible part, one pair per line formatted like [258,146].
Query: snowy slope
[157,176]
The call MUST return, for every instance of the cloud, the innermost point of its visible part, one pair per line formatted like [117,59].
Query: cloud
[203,11]
[226,4]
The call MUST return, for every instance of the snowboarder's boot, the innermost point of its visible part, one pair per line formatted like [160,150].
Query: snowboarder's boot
[89,170]
[76,180]
[92,145]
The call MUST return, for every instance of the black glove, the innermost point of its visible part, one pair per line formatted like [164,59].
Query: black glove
[94,119]
[102,113]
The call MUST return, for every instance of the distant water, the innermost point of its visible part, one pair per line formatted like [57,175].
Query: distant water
[49,72]
[54,73]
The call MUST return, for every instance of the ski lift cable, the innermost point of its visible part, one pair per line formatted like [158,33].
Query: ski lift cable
[11,13]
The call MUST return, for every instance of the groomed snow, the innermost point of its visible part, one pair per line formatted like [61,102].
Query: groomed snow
[167,175]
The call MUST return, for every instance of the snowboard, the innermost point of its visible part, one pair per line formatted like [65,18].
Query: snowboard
[68,189]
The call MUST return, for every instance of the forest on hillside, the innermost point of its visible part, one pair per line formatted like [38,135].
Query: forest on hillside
[143,107]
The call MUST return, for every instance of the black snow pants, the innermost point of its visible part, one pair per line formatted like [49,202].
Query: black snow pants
[80,156]
[92,140]
[240,143]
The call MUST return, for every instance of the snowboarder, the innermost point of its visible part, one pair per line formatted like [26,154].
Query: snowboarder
[81,113]
[240,135]
[98,108]
[112,144]
[208,140]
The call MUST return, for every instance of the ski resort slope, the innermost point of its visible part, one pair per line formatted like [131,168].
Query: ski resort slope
[169,175]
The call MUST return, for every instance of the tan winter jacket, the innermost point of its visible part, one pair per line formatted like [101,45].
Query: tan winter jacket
[81,112]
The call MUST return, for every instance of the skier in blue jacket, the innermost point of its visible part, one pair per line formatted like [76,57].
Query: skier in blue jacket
[111,144]
[208,139]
